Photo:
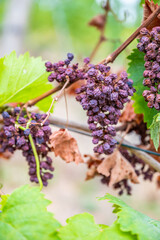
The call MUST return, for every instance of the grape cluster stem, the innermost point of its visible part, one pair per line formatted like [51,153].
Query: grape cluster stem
[54,100]
[35,155]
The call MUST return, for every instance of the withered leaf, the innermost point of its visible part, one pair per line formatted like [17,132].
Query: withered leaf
[148,8]
[72,89]
[65,146]
[91,173]
[118,168]
[92,163]
[128,115]
[158,181]
[6,155]
[98,21]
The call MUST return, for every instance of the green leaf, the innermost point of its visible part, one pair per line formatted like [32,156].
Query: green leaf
[155,1]
[22,79]
[135,71]
[142,2]
[3,201]
[114,232]
[80,226]
[24,216]
[133,221]
[155,130]
[83,227]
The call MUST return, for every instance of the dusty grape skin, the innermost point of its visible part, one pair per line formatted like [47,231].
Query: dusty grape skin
[150,45]
[103,96]
[63,70]
[12,138]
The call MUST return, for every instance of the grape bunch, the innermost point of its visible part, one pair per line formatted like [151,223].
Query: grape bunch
[150,45]
[13,138]
[122,186]
[63,70]
[103,97]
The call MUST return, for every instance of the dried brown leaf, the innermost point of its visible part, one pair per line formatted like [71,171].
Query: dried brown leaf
[65,146]
[118,168]
[93,162]
[72,89]
[91,173]
[128,115]
[6,155]
[148,8]
[98,21]
[158,181]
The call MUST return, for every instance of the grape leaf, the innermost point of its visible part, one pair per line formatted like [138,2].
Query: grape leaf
[83,227]
[135,71]
[155,130]
[22,79]
[133,221]
[65,146]
[80,226]
[24,216]
[114,232]
[3,200]
[142,2]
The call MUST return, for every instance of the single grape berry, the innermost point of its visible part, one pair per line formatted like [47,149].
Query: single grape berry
[5,115]
[70,56]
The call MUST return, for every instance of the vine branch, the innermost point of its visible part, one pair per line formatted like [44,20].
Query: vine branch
[113,56]
[55,99]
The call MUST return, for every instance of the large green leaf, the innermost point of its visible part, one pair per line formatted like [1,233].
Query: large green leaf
[24,216]
[135,70]
[133,221]
[22,79]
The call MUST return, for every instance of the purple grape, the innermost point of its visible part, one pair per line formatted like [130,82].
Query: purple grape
[13,138]
[102,97]
[70,56]
[5,115]
[27,132]
[150,45]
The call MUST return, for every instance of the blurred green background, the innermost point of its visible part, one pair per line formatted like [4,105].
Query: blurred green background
[55,27]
